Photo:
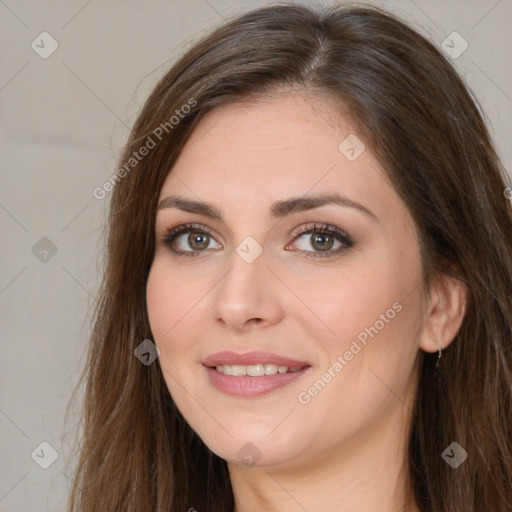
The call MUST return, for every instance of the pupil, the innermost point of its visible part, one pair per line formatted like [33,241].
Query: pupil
[322,238]
[196,238]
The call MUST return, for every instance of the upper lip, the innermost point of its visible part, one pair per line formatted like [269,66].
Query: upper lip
[249,358]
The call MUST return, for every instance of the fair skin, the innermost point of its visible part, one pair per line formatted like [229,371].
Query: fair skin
[344,449]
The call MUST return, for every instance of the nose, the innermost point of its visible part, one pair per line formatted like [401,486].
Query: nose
[248,296]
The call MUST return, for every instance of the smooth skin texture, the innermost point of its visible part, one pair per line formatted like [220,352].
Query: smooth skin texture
[344,450]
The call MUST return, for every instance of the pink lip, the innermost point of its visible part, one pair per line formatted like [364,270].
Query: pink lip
[245,385]
[255,357]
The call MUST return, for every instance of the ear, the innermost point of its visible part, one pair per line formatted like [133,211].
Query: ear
[445,312]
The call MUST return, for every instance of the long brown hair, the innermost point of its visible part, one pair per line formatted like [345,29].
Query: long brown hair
[417,116]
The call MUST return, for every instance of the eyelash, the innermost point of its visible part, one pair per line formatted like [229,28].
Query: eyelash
[169,237]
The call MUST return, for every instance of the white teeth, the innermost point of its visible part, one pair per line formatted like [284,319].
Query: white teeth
[254,370]
[238,369]
[270,369]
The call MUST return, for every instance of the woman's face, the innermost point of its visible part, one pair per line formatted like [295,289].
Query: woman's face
[331,287]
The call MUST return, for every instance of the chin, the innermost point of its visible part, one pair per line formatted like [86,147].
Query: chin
[259,453]
[252,445]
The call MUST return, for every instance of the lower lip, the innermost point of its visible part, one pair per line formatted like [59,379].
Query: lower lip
[247,386]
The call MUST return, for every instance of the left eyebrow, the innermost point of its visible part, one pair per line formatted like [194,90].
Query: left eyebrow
[278,209]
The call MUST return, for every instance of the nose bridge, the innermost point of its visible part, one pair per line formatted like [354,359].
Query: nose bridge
[244,294]
[242,286]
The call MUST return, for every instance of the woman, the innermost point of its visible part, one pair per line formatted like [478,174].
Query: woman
[306,300]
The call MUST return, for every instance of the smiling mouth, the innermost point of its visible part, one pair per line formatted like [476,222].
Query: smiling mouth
[255,370]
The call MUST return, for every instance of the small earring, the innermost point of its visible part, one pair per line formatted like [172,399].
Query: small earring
[439,354]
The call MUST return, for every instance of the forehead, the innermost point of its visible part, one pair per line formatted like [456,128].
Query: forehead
[252,154]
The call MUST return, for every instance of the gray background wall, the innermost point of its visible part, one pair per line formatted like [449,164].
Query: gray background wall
[63,121]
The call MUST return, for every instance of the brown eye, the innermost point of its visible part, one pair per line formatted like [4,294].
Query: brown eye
[321,240]
[197,241]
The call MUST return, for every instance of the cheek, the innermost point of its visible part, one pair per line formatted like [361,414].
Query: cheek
[173,309]
[170,301]
[169,314]
[177,313]
[344,305]
[369,360]
[161,304]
